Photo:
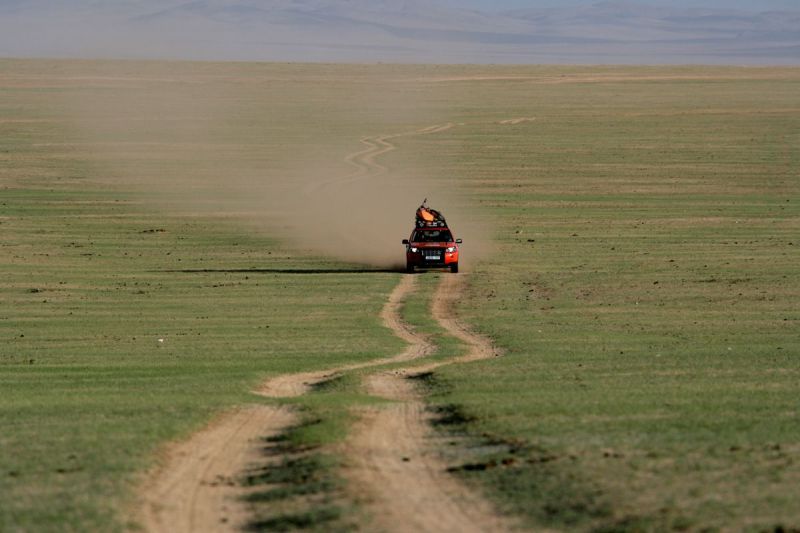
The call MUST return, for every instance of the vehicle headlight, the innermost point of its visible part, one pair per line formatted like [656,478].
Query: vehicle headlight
[413,249]
[451,249]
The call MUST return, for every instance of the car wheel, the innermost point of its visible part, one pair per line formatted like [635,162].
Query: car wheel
[454,268]
[409,268]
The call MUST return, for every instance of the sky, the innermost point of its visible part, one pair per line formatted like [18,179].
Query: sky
[746,5]
[416,31]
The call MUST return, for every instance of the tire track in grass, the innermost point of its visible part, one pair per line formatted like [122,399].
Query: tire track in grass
[364,161]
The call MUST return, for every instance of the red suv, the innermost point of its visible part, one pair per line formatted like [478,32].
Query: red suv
[431,248]
[431,244]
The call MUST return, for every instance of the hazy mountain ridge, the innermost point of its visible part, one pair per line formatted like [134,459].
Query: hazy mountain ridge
[382,30]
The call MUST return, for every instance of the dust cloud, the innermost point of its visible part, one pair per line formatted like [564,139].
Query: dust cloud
[332,159]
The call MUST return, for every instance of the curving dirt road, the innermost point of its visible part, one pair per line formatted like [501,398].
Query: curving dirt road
[393,466]
[291,385]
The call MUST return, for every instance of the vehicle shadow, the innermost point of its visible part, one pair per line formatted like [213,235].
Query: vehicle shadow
[392,270]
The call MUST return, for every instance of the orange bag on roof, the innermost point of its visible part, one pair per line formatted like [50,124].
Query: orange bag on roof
[426,215]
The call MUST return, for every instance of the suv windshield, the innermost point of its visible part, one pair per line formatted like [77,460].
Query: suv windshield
[433,235]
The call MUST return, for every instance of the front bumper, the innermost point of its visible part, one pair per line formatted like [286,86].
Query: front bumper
[431,258]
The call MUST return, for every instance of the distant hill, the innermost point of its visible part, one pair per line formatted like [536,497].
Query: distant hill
[401,30]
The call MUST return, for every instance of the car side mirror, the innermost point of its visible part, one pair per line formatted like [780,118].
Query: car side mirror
[459,241]
[405,241]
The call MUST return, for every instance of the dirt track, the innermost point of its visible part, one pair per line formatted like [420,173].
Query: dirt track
[393,462]
[393,466]
[195,490]
[290,385]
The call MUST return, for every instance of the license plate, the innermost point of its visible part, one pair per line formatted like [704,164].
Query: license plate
[432,256]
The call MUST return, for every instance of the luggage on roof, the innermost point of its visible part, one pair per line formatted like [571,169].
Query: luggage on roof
[428,217]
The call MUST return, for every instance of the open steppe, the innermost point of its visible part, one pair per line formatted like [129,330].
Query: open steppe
[175,237]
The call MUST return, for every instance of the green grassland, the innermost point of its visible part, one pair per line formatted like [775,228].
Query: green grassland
[642,278]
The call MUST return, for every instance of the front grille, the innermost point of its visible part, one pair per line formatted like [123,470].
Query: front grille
[432,256]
